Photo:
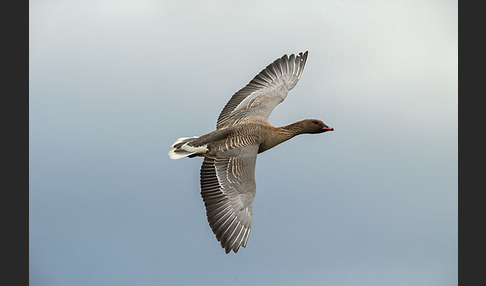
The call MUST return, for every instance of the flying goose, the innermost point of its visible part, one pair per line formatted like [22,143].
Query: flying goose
[227,174]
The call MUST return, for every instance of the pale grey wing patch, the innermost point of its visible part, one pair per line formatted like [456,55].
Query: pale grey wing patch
[228,188]
[265,91]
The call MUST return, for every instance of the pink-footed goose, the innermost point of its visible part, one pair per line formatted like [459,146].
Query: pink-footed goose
[242,131]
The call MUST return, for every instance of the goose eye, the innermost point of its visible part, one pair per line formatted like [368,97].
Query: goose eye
[314,121]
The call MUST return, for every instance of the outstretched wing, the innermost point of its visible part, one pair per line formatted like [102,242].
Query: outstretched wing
[265,90]
[228,188]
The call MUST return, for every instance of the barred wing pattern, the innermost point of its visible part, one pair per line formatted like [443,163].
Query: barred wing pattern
[228,189]
[265,91]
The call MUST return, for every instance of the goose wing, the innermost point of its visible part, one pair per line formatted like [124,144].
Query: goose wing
[265,90]
[228,188]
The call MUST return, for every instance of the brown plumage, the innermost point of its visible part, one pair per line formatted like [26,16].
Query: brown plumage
[228,171]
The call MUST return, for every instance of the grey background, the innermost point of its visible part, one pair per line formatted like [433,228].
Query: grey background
[114,83]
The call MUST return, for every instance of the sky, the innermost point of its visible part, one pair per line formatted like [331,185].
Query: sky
[112,84]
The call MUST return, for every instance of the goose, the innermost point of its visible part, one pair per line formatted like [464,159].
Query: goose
[227,175]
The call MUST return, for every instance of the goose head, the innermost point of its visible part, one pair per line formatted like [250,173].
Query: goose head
[314,126]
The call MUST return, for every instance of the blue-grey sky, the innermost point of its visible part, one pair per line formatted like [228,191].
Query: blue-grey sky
[114,83]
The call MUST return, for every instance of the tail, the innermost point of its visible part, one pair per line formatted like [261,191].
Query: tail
[182,148]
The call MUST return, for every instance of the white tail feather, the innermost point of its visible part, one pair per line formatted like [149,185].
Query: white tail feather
[180,140]
[185,150]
